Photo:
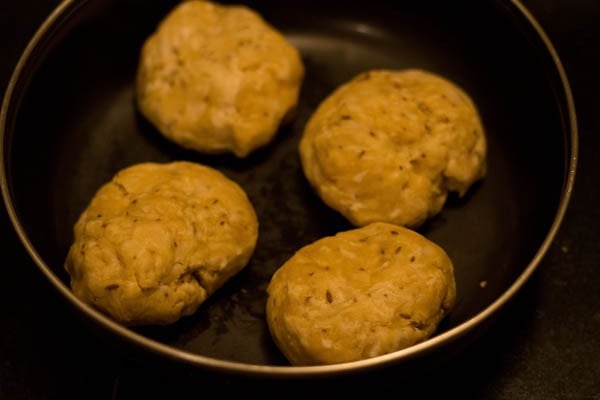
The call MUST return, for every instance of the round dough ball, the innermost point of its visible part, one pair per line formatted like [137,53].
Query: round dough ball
[359,294]
[218,78]
[158,239]
[388,146]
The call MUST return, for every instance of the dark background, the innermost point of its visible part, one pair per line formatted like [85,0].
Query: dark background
[546,345]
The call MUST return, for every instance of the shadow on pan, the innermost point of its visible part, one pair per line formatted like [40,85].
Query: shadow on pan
[69,123]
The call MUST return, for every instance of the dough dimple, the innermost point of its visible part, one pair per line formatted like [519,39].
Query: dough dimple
[158,239]
[359,294]
[218,78]
[388,146]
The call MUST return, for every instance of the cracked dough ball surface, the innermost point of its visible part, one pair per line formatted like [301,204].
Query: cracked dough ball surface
[158,239]
[388,146]
[218,78]
[359,294]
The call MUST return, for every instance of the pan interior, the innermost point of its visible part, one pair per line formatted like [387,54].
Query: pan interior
[77,125]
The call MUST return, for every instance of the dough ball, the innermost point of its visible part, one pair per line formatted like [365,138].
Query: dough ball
[359,294]
[217,78]
[158,239]
[388,146]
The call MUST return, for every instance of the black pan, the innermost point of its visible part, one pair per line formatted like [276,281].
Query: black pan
[69,122]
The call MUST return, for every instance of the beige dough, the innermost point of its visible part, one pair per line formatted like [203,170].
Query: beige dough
[158,239]
[359,294]
[389,145]
[218,78]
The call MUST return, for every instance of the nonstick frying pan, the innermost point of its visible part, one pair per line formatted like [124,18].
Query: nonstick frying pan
[69,122]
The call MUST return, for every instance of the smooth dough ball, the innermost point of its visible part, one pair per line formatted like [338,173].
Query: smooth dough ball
[217,78]
[359,294]
[158,239]
[388,146]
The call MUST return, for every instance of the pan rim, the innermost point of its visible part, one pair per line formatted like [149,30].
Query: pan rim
[60,13]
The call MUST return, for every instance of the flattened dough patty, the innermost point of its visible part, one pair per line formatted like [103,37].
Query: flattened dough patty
[389,145]
[359,294]
[218,78]
[158,239]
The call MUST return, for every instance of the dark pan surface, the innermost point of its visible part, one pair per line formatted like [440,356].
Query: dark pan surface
[77,125]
